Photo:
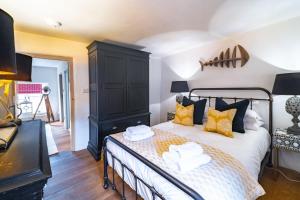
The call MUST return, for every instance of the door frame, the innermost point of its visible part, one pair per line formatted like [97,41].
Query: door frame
[69,60]
[66,98]
[61,97]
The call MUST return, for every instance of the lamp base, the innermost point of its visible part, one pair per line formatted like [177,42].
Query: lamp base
[10,123]
[293,130]
[18,121]
[292,106]
[179,98]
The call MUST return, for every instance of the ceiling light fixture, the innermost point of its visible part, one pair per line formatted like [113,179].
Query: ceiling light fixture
[53,23]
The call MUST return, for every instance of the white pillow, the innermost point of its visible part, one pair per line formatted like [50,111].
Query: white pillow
[252,120]
[251,114]
[248,125]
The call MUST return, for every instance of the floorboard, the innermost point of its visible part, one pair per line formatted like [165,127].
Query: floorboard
[61,136]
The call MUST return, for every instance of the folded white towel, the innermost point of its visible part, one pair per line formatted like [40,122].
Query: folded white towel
[137,137]
[192,163]
[171,160]
[136,130]
[187,164]
[186,150]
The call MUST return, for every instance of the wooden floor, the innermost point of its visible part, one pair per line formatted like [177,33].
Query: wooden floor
[77,176]
[277,187]
[61,136]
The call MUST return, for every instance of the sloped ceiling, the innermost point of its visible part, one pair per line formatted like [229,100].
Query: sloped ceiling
[162,26]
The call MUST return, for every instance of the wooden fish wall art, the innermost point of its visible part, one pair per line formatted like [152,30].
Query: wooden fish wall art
[225,59]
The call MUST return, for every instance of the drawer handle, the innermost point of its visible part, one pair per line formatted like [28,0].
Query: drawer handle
[139,122]
[114,128]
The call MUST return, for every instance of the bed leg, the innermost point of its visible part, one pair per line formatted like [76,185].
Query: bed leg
[136,187]
[105,174]
[123,182]
[113,186]
[153,192]
[270,162]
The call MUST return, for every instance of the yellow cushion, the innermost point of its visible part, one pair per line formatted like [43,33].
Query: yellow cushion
[184,115]
[220,122]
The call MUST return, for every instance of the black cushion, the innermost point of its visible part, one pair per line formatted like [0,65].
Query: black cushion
[238,120]
[199,108]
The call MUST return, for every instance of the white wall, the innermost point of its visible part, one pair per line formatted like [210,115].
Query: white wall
[48,75]
[185,66]
[268,51]
[155,84]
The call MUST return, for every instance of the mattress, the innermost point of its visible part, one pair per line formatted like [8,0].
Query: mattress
[249,148]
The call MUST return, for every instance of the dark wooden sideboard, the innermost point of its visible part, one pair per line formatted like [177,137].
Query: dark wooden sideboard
[25,166]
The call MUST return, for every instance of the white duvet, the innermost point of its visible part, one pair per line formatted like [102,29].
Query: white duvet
[249,148]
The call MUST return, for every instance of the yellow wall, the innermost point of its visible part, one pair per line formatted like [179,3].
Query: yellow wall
[39,44]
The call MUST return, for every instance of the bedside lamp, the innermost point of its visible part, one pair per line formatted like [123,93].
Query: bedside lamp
[7,44]
[289,84]
[179,87]
[7,57]
[8,66]
[9,123]
[24,66]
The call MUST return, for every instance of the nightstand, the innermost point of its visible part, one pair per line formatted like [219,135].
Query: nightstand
[170,116]
[284,141]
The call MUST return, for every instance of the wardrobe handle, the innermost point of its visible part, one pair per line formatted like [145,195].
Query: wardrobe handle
[139,122]
[114,128]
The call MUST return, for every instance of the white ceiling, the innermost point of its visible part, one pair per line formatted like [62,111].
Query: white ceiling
[163,26]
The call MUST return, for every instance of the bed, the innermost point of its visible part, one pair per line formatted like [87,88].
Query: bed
[139,166]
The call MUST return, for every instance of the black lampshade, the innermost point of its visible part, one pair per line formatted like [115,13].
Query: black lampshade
[24,67]
[179,86]
[7,44]
[287,84]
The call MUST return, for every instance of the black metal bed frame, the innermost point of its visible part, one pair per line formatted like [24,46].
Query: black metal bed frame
[190,192]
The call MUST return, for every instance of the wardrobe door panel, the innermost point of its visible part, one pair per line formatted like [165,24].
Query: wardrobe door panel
[114,70]
[113,85]
[93,87]
[137,69]
[137,85]
[137,100]
[113,102]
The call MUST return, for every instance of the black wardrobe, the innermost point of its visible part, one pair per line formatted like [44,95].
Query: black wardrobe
[119,91]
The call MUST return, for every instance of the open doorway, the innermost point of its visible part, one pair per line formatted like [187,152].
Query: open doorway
[47,98]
